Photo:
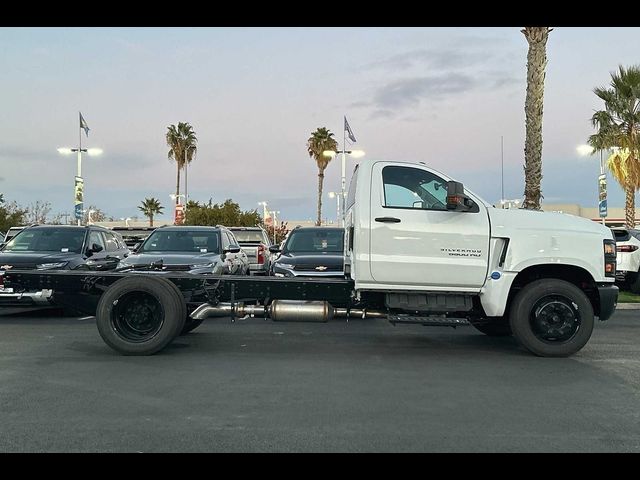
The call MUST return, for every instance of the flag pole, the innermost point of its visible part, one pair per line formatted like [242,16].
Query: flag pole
[344,168]
[80,159]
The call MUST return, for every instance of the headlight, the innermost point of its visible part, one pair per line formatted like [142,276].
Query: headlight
[279,274]
[202,265]
[51,266]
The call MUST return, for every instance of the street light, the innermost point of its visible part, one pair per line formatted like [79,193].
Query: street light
[336,195]
[343,183]
[79,183]
[264,210]
[275,223]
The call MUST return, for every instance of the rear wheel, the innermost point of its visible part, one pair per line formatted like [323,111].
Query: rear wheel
[140,315]
[551,318]
[634,282]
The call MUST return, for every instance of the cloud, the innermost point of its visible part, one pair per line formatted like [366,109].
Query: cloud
[434,58]
[411,91]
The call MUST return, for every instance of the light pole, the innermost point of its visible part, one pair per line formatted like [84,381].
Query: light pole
[275,223]
[343,182]
[264,211]
[336,195]
[79,183]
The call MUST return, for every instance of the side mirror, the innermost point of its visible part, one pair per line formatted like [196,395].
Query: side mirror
[418,204]
[95,248]
[135,248]
[275,248]
[232,249]
[456,199]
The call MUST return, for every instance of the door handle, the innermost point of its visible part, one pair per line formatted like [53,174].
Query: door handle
[388,220]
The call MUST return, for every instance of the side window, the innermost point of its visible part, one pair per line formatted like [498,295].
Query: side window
[96,237]
[351,195]
[112,242]
[232,239]
[407,187]
[225,239]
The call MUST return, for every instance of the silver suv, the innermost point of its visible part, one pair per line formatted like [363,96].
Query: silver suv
[255,242]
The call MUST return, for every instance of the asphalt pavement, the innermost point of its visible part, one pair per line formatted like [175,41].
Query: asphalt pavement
[360,386]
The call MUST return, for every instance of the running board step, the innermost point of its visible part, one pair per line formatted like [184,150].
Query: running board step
[430,321]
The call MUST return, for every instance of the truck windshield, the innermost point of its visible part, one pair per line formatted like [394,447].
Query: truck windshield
[249,236]
[65,240]
[187,241]
[315,241]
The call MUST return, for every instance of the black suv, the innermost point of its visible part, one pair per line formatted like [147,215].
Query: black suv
[310,252]
[191,249]
[63,247]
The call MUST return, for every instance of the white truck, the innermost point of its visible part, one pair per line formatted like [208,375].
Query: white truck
[419,248]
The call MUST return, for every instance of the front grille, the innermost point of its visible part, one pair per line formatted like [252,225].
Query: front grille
[313,268]
[176,268]
[22,266]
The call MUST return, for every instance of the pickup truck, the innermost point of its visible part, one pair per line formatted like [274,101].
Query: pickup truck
[419,248]
[255,242]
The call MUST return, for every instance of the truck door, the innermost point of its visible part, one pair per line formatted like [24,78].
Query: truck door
[415,240]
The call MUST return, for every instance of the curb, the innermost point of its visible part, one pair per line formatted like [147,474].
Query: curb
[628,306]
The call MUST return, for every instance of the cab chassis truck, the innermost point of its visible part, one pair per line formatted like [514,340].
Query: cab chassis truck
[419,249]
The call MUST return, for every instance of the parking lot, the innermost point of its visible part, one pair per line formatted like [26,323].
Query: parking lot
[361,386]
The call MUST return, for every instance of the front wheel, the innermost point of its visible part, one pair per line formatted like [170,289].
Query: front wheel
[551,318]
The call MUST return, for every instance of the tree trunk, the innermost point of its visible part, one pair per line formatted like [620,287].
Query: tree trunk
[151,220]
[630,207]
[536,65]
[178,185]
[320,181]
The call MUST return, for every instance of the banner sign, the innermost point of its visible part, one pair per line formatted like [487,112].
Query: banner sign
[79,198]
[179,215]
[602,195]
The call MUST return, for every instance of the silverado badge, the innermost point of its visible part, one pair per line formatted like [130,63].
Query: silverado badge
[321,268]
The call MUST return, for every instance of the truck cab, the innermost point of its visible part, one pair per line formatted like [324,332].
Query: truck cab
[429,245]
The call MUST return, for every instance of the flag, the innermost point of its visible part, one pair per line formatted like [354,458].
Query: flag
[84,125]
[347,129]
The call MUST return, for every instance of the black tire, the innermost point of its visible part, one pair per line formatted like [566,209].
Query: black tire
[634,282]
[140,315]
[191,324]
[494,326]
[551,318]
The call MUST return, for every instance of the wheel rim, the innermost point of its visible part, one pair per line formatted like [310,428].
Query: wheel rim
[137,316]
[555,319]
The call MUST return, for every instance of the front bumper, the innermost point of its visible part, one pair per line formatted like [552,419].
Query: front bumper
[285,272]
[36,299]
[608,295]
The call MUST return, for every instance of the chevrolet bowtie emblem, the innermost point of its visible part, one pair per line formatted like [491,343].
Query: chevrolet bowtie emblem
[6,267]
[321,268]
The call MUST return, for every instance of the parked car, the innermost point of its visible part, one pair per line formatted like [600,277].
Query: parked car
[255,242]
[628,258]
[310,252]
[134,235]
[190,249]
[58,247]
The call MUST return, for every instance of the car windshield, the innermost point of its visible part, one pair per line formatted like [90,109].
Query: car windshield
[315,241]
[249,236]
[187,241]
[63,240]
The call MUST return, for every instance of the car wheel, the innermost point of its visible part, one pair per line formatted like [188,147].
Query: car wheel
[140,315]
[551,318]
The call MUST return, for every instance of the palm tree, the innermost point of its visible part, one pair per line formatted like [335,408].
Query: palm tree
[536,65]
[150,207]
[319,141]
[182,143]
[618,128]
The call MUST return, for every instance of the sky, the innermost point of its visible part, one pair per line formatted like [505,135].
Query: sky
[443,96]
